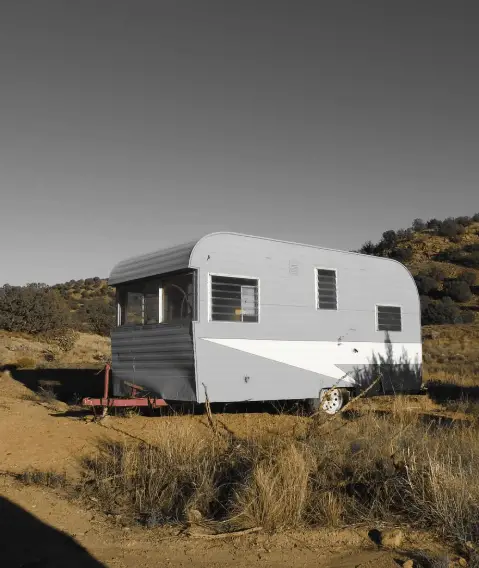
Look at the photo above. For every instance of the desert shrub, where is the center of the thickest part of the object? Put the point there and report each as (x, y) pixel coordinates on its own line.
(468, 316)
(441, 312)
(464, 221)
(425, 284)
(402, 254)
(458, 290)
(389, 238)
(32, 309)
(99, 315)
(449, 228)
(63, 338)
(367, 248)
(424, 301)
(433, 224)
(404, 234)
(96, 280)
(437, 274)
(475, 218)
(469, 277)
(471, 260)
(418, 225)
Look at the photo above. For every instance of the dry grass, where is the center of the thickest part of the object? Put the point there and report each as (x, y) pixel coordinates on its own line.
(386, 468)
(84, 349)
(451, 354)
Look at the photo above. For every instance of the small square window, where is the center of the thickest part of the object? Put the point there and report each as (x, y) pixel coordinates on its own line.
(234, 299)
(389, 318)
(327, 289)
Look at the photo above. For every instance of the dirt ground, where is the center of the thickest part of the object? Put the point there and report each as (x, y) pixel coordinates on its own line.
(42, 527)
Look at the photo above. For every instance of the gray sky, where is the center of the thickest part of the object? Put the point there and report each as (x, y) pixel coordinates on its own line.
(128, 126)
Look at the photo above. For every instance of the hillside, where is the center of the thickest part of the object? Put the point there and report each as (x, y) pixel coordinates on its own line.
(79, 293)
(443, 256)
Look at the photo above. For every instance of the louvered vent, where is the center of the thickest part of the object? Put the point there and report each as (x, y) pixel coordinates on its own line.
(389, 318)
(327, 290)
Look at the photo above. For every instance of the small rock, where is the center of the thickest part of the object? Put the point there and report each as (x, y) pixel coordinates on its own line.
(392, 539)
(462, 562)
(408, 564)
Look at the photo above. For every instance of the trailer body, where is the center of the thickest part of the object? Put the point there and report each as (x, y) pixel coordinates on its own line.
(234, 317)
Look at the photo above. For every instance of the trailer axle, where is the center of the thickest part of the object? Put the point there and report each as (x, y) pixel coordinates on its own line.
(124, 402)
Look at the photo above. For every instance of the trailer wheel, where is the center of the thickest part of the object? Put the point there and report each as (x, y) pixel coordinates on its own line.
(330, 401)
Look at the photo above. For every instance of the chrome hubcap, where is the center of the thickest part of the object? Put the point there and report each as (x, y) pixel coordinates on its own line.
(331, 400)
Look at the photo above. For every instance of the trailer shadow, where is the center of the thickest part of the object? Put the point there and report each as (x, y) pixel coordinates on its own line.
(27, 541)
(67, 384)
(441, 392)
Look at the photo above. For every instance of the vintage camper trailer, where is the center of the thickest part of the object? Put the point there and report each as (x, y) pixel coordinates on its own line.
(233, 317)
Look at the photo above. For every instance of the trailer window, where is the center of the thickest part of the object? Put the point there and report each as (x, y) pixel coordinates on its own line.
(327, 298)
(178, 299)
(161, 300)
(138, 303)
(389, 318)
(234, 299)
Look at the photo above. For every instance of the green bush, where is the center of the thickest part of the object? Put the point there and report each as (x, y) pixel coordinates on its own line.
(449, 228)
(404, 234)
(389, 238)
(99, 315)
(458, 290)
(367, 248)
(34, 308)
(402, 254)
(469, 277)
(464, 221)
(426, 284)
(437, 274)
(442, 312)
(418, 225)
(468, 317)
(433, 224)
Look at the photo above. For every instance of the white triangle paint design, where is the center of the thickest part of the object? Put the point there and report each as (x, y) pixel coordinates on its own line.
(321, 357)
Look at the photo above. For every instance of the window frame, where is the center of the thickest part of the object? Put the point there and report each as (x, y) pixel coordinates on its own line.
(210, 297)
(316, 286)
(122, 290)
(376, 306)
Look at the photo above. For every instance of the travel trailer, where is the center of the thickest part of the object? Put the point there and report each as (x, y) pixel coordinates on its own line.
(234, 318)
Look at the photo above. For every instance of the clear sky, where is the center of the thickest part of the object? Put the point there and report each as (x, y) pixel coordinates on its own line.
(128, 126)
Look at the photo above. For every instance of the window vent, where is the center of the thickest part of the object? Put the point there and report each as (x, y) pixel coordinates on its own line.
(327, 289)
(389, 318)
(293, 268)
(234, 299)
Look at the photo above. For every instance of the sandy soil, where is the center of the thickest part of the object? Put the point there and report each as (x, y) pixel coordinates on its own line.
(41, 527)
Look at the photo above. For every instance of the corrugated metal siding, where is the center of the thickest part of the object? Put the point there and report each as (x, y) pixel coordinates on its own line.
(152, 264)
(158, 357)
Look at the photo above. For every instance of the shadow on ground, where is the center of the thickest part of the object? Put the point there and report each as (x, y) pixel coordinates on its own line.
(71, 385)
(445, 392)
(66, 384)
(28, 542)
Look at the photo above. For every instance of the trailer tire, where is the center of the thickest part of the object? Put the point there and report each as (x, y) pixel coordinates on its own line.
(330, 401)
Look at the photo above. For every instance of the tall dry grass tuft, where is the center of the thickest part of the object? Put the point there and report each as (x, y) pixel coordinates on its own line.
(274, 493)
(156, 483)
